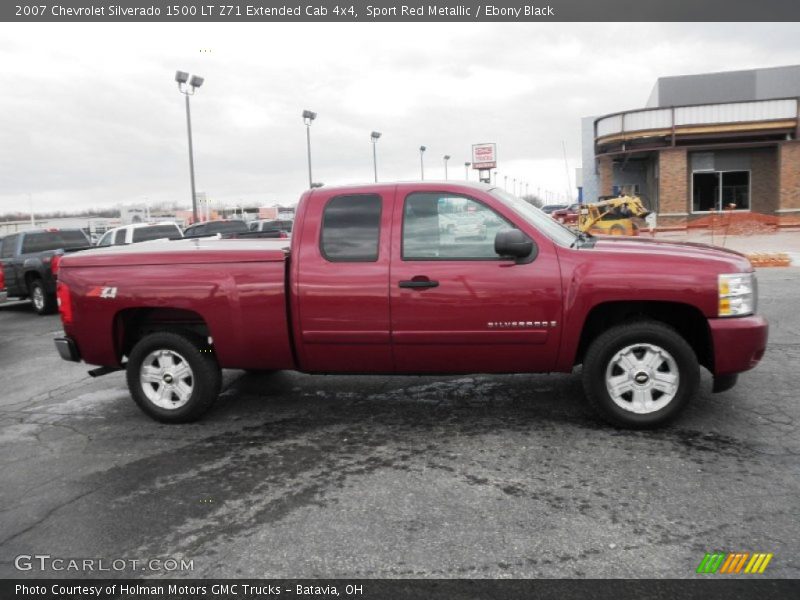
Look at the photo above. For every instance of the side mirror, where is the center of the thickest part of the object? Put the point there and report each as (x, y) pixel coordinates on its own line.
(513, 243)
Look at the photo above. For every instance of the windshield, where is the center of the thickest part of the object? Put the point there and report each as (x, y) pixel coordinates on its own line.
(550, 227)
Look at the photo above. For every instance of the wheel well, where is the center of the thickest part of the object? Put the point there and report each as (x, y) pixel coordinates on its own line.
(132, 324)
(687, 320)
(29, 277)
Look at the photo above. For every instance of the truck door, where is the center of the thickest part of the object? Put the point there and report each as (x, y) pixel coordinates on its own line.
(341, 280)
(459, 307)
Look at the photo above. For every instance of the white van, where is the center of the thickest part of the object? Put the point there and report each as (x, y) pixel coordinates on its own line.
(140, 232)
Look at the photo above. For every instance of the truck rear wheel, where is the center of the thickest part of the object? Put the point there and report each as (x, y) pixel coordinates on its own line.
(640, 375)
(172, 377)
(43, 303)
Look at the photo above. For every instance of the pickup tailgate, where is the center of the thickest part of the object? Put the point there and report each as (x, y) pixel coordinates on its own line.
(236, 287)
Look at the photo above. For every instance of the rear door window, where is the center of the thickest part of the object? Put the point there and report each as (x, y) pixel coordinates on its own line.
(351, 228)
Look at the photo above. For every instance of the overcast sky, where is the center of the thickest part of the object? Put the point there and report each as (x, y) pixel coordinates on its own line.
(90, 115)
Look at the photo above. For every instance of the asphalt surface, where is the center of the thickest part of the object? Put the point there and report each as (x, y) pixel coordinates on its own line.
(292, 475)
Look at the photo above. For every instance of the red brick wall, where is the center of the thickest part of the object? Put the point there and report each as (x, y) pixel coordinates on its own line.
(764, 180)
(606, 167)
(673, 181)
(789, 173)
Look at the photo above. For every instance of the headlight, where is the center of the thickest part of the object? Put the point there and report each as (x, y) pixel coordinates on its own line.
(737, 294)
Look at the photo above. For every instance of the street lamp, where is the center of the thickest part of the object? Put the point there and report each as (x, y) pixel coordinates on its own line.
(421, 163)
(308, 118)
(374, 136)
(466, 170)
(187, 86)
(446, 158)
(494, 176)
(514, 188)
(505, 183)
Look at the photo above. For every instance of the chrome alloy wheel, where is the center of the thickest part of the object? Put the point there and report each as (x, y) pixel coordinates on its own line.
(642, 378)
(167, 379)
(38, 297)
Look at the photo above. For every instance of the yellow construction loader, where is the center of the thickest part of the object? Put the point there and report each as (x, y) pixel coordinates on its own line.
(623, 215)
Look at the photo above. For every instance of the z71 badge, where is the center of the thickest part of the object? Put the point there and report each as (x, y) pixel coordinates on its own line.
(102, 292)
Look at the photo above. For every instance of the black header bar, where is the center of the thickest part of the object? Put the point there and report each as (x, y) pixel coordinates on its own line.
(411, 11)
(708, 588)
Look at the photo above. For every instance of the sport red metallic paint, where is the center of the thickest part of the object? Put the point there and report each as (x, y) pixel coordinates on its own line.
(639, 314)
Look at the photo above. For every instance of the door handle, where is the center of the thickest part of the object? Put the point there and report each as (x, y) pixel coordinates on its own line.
(419, 283)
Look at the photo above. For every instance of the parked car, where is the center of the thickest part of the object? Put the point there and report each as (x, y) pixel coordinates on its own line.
(272, 228)
(463, 225)
(209, 228)
(369, 285)
(569, 215)
(549, 208)
(29, 263)
(140, 232)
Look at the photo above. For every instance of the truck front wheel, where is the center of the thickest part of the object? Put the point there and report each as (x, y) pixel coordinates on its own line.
(172, 377)
(640, 375)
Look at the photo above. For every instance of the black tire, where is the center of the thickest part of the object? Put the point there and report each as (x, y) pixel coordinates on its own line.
(204, 381)
(43, 303)
(640, 337)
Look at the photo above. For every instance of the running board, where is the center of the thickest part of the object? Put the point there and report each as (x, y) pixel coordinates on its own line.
(105, 370)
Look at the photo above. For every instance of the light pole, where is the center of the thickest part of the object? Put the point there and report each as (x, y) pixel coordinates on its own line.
(505, 183)
(446, 158)
(494, 174)
(374, 136)
(421, 163)
(188, 89)
(514, 187)
(308, 118)
(466, 170)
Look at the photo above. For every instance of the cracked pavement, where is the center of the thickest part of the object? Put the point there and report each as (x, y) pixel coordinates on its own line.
(292, 475)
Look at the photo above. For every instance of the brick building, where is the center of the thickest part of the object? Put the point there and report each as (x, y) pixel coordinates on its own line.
(703, 143)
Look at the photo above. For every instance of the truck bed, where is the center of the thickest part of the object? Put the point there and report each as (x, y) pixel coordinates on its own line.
(236, 287)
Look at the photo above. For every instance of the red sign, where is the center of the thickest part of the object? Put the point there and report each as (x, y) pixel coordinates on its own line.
(484, 156)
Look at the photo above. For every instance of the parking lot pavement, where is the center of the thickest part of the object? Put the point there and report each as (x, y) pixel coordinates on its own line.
(311, 476)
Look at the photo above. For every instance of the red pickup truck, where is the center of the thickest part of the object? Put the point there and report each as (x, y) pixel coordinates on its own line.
(372, 281)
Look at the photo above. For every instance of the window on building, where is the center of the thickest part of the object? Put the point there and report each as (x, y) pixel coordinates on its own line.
(717, 190)
(447, 227)
(351, 228)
